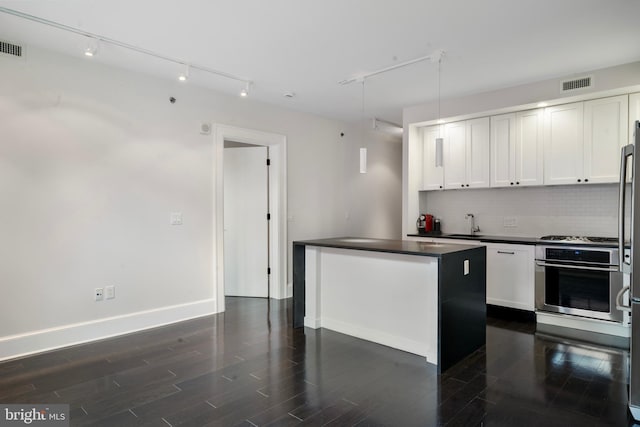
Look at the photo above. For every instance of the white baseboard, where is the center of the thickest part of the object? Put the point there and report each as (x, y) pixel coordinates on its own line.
(289, 290)
(20, 345)
(400, 343)
(590, 325)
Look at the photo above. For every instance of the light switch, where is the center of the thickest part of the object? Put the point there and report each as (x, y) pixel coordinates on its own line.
(466, 267)
(175, 218)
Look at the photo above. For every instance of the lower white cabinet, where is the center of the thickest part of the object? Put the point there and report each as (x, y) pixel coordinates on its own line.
(510, 275)
(510, 272)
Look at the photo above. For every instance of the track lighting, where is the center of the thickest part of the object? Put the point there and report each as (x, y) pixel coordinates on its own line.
(91, 49)
(184, 76)
(245, 91)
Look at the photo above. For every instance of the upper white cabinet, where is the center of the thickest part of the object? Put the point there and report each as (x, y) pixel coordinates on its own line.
(582, 141)
(605, 132)
(634, 114)
(432, 175)
(516, 149)
(563, 142)
(466, 154)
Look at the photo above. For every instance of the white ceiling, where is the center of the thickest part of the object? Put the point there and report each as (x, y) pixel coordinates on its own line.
(306, 46)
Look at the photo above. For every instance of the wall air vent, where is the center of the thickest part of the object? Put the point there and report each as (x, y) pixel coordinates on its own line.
(576, 84)
(10, 49)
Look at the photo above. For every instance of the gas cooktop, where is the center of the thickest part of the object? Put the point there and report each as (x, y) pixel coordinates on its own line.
(578, 239)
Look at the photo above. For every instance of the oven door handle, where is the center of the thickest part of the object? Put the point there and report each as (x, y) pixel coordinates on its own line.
(577, 267)
(619, 305)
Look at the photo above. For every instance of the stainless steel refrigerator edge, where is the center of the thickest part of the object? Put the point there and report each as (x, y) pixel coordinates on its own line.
(630, 264)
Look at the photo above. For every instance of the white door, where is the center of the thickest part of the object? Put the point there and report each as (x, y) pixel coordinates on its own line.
(245, 221)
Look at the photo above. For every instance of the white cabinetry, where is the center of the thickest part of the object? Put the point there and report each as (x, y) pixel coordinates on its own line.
(432, 175)
(466, 154)
(582, 141)
(563, 142)
(510, 275)
(510, 272)
(605, 132)
(634, 114)
(516, 149)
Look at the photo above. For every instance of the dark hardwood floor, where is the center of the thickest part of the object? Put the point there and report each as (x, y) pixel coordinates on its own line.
(248, 367)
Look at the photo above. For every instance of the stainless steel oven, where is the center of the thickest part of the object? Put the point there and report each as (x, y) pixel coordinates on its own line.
(578, 280)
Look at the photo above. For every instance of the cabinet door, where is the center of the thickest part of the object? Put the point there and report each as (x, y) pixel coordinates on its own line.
(563, 144)
(432, 176)
(478, 156)
(510, 276)
(605, 132)
(528, 152)
(503, 155)
(455, 155)
(634, 114)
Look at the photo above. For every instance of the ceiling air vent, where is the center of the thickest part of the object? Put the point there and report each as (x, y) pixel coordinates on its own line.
(10, 49)
(576, 84)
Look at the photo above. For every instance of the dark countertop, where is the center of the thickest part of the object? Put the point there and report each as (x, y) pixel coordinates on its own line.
(391, 246)
(484, 238)
(515, 240)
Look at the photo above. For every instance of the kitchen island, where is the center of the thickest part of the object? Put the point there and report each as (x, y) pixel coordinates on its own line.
(425, 298)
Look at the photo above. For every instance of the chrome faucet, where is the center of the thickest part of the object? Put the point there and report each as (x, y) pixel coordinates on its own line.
(473, 228)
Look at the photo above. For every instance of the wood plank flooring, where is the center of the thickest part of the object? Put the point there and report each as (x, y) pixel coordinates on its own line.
(248, 367)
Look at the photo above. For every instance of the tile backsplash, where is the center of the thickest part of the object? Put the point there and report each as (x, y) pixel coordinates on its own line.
(589, 210)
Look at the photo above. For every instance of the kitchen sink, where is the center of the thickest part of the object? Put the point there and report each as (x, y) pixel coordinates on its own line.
(357, 240)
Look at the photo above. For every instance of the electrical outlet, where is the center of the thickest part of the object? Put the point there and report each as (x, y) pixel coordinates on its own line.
(110, 292)
(509, 222)
(175, 218)
(99, 294)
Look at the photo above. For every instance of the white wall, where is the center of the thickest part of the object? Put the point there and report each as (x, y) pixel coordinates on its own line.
(580, 210)
(375, 197)
(92, 161)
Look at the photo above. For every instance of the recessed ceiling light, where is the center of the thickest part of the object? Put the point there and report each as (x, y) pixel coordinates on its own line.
(440, 121)
(289, 95)
(89, 52)
(542, 104)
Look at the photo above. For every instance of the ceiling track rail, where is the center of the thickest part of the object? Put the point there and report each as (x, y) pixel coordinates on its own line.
(121, 44)
(435, 57)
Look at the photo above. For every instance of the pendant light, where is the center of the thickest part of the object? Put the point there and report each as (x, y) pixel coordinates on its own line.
(439, 140)
(363, 150)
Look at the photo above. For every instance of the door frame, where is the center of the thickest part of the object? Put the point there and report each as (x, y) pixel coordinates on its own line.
(277, 206)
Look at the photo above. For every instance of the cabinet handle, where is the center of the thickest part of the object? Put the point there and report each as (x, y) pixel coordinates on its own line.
(512, 183)
(517, 183)
(579, 180)
(467, 185)
(506, 252)
(441, 186)
(586, 180)
(462, 185)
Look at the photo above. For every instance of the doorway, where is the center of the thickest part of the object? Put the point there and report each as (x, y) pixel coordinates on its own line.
(246, 220)
(277, 246)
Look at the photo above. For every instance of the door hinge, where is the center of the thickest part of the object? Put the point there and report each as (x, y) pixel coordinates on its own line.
(268, 217)
(268, 162)
(268, 270)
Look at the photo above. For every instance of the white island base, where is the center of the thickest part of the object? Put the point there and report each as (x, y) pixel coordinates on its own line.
(387, 298)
